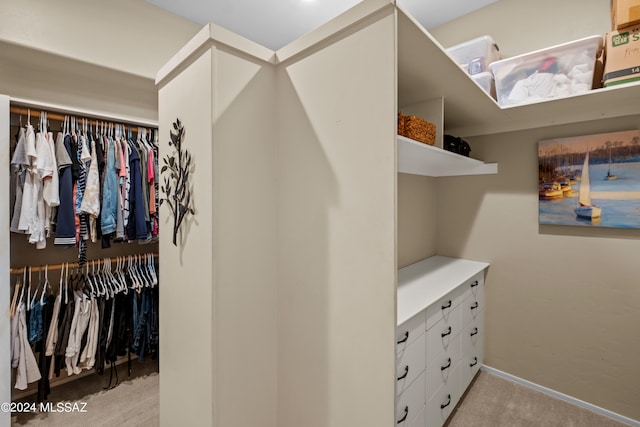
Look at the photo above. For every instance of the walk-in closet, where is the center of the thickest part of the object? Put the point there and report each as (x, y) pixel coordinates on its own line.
(84, 253)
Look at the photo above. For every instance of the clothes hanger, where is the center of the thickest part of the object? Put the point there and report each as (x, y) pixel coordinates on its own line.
(66, 283)
(121, 274)
(14, 301)
(143, 280)
(46, 286)
(34, 297)
(89, 280)
(146, 281)
(110, 279)
(29, 292)
(100, 279)
(134, 280)
(152, 269)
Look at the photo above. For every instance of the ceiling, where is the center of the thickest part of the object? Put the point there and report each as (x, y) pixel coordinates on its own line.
(276, 23)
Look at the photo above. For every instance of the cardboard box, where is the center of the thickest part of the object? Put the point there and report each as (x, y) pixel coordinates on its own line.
(622, 60)
(624, 13)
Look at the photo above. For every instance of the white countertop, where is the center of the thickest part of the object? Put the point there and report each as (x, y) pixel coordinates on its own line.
(423, 283)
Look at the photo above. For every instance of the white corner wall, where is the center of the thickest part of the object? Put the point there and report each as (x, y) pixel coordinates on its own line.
(218, 328)
(336, 232)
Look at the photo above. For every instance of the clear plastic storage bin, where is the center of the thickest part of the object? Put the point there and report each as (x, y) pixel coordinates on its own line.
(485, 80)
(475, 55)
(555, 72)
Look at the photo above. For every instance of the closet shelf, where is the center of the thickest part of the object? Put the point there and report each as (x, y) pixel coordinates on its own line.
(421, 159)
(423, 283)
(426, 71)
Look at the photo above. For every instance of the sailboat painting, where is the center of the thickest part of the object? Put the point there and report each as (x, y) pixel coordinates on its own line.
(590, 180)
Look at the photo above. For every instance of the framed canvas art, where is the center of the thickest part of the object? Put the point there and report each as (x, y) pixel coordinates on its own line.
(590, 180)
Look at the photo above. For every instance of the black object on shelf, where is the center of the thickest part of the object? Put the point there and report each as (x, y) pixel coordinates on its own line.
(456, 145)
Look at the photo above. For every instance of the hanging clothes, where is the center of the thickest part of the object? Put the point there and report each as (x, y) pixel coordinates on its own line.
(137, 226)
(22, 358)
(109, 198)
(20, 163)
(91, 201)
(65, 225)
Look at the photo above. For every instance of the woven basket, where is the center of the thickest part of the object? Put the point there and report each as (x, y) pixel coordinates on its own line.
(413, 127)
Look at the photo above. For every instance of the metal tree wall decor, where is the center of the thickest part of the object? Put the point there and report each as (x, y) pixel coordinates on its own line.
(177, 190)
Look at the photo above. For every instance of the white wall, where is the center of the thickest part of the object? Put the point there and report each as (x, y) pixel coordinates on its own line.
(563, 303)
(218, 328)
(336, 234)
(130, 36)
(417, 222)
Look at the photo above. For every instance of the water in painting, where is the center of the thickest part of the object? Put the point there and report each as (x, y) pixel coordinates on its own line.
(591, 180)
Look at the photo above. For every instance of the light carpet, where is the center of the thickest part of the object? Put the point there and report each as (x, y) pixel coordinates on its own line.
(133, 403)
(492, 401)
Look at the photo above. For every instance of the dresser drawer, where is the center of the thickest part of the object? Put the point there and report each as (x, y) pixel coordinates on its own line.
(471, 338)
(443, 308)
(439, 369)
(410, 363)
(411, 401)
(442, 334)
(410, 331)
(474, 286)
(439, 407)
(472, 308)
(469, 367)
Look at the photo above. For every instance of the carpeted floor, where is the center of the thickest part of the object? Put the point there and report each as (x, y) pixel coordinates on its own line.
(492, 401)
(134, 402)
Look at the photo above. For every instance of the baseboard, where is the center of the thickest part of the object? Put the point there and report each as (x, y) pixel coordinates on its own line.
(561, 396)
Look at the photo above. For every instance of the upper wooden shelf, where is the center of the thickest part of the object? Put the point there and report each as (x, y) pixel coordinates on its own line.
(426, 71)
(421, 159)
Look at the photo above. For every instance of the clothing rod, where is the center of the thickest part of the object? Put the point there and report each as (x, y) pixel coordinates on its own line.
(49, 267)
(55, 116)
(97, 115)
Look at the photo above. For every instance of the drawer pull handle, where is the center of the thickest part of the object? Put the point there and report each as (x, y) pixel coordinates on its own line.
(406, 413)
(444, 334)
(474, 306)
(474, 284)
(406, 372)
(444, 405)
(442, 368)
(406, 337)
(474, 332)
(447, 305)
(474, 363)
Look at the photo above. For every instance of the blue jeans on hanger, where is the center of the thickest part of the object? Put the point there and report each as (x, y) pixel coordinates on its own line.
(35, 323)
(110, 191)
(141, 326)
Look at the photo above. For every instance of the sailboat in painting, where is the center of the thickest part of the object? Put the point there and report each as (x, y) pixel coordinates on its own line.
(585, 208)
(610, 176)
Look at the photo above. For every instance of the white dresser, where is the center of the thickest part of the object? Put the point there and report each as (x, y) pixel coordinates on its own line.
(439, 337)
